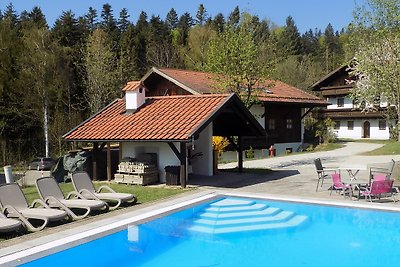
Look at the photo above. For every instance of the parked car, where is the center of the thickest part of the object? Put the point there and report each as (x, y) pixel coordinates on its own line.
(41, 164)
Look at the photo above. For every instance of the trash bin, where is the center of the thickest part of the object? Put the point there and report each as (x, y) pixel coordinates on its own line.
(8, 174)
(172, 176)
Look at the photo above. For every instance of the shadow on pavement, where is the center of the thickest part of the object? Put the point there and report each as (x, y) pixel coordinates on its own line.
(237, 180)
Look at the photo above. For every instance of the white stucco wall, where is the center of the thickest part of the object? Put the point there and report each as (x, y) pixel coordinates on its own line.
(348, 103)
(166, 156)
(258, 111)
(204, 164)
(357, 132)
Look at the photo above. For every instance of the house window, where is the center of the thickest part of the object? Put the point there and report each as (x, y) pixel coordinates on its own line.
(350, 125)
(337, 125)
(382, 125)
(340, 102)
(289, 123)
(271, 124)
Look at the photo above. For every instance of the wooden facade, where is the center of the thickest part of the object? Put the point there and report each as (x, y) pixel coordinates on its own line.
(283, 123)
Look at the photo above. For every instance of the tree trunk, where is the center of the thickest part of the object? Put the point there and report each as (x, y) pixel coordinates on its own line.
(46, 127)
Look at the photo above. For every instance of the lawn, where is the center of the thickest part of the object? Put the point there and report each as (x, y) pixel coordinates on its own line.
(390, 148)
(143, 193)
(327, 147)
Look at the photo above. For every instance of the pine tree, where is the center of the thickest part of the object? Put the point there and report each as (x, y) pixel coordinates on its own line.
(184, 24)
(234, 17)
(172, 19)
(291, 38)
(201, 15)
(141, 43)
(38, 18)
(218, 23)
(123, 21)
(91, 19)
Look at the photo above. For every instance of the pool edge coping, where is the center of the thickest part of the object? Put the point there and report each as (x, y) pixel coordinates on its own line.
(25, 255)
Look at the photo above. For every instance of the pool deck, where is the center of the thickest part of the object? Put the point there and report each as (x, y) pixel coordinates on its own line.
(293, 178)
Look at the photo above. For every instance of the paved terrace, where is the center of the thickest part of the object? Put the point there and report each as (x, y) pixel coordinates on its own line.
(293, 176)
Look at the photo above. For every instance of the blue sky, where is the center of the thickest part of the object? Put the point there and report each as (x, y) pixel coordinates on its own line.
(307, 14)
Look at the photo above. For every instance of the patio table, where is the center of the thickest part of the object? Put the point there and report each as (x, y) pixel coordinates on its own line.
(353, 170)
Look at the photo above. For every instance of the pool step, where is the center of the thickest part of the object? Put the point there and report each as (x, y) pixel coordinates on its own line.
(251, 207)
(228, 202)
(218, 222)
(257, 213)
(293, 222)
(236, 215)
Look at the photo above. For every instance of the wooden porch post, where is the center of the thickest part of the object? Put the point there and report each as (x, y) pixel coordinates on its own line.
(183, 172)
(240, 154)
(94, 159)
(108, 161)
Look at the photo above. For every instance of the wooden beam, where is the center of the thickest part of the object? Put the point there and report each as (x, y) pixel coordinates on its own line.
(109, 162)
(94, 158)
(230, 139)
(175, 150)
(240, 154)
(183, 172)
(119, 151)
(308, 111)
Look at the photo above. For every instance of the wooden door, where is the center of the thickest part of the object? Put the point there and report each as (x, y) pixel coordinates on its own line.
(366, 129)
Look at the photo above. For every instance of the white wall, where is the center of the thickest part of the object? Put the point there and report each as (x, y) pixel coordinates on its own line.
(166, 156)
(358, 131)
(258, 111)
(229, 156)
(348, 103)
(203, 165)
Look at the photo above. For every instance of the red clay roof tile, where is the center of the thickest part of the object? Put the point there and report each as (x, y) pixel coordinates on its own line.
(204, 83)
(160, 118)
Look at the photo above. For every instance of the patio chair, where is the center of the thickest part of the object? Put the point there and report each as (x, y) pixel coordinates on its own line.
(52, 195)
(378, 188)
(15, 205)
(84, 186)
(337, 184)
(379, 171)
(322, 172)
(9, 225)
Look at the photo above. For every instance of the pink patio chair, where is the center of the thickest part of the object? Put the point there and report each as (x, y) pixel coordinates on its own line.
(337, 185)
(378, 188)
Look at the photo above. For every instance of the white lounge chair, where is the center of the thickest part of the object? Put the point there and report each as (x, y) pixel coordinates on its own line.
(52, 195)
(15, 205)
(9, 225)
(84, 186)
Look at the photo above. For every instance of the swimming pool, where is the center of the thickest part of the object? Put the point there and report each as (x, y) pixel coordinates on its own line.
(232, 231)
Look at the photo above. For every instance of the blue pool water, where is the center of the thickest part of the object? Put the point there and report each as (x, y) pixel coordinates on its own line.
(246, 232)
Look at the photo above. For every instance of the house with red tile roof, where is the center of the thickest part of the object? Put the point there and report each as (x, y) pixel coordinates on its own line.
(281, 110)
(178, 129)
(350, 121)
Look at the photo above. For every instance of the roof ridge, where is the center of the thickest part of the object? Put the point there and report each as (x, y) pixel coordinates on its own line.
(189, 96)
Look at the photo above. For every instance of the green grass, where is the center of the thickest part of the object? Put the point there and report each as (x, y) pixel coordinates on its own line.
(144, 194)
(390, 148)
(327, 147)
(370, 141)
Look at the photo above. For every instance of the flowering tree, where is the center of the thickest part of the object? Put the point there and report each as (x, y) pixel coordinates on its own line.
(376, 42)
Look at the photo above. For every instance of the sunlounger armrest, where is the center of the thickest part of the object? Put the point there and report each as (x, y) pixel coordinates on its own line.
(84, 193)
(105, 187)
(40, 203)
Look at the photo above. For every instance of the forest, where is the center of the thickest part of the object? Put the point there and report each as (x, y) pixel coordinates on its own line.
(54, 77)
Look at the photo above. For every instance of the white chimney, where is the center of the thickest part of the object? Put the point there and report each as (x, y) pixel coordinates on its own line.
(135, 96)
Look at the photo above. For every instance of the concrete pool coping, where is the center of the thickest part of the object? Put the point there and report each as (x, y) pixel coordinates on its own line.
(47, 244)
